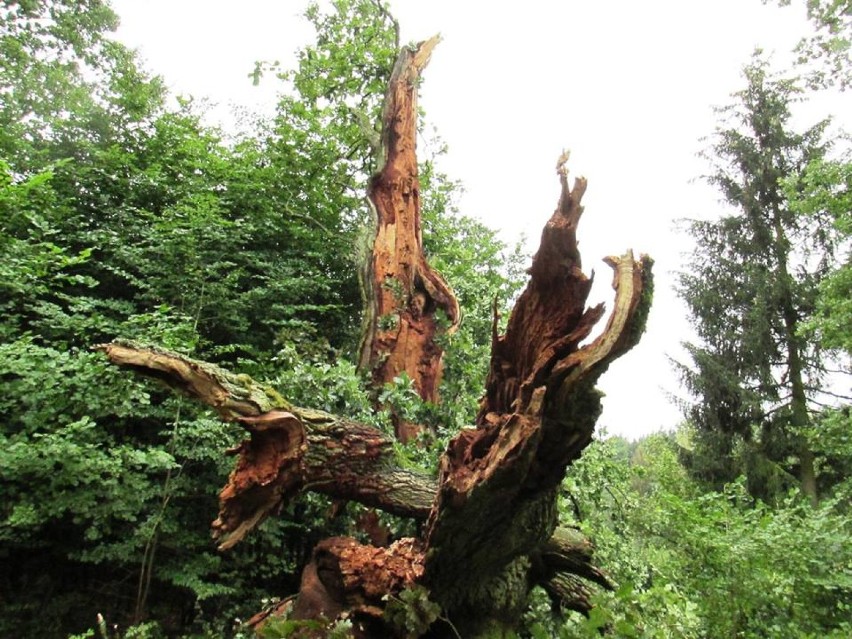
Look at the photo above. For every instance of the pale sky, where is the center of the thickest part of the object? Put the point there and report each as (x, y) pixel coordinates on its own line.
(627, 86)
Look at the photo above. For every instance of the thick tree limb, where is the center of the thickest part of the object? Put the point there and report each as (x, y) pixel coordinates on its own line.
(289, 448)
(314, 451)
(569, 592)
(229, 394)
(570, 551)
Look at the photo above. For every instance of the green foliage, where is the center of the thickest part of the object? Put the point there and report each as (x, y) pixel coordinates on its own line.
(831, 441)
(824, 54)
(486, 276)
(690, 563)
(63, 80)
(311, 373)
(824, 192)
(411, 612)
(119, 217)
(281, 628)
(751, 281)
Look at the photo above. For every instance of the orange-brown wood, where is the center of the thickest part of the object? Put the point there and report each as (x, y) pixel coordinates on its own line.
(406, 297)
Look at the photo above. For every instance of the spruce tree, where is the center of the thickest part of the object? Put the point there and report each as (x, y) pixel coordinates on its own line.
(749, 285)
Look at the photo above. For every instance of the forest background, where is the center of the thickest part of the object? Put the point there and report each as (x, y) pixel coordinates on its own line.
(126, 215)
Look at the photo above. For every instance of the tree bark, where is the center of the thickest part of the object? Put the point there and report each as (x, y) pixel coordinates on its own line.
(408, 303)
(798, 398)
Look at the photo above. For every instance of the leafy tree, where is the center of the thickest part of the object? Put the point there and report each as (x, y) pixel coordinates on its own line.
(64, 81)
(122, 217)
(749, 285)
(825, 53)
(689, 562)
(824, 191)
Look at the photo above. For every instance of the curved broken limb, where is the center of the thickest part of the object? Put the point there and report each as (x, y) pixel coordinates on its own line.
(289, 449)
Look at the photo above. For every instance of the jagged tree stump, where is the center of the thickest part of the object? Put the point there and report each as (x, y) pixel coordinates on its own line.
(489, 531)
(405, 297)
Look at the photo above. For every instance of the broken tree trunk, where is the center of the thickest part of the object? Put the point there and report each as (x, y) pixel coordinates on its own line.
(498, 482)
(489, 531)
(407, 302)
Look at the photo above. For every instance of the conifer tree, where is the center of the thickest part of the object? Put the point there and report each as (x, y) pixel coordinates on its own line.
(749, 285)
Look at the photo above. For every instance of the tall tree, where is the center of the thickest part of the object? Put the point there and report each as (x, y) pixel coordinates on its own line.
(749, 285)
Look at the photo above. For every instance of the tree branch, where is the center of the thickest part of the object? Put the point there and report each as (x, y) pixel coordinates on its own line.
(289, 448)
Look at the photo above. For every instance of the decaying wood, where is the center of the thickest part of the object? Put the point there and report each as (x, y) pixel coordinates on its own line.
(289, 448)
(497, 482)
(406, 297)
(490, 521)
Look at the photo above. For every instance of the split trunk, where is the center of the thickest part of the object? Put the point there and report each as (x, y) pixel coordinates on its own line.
(488, 525)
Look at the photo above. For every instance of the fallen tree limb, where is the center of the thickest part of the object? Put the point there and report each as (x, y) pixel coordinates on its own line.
(289, 449)
(570, 551)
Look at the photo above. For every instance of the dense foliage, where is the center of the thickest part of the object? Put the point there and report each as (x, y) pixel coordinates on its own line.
(123, 214)
(825, 190)
(692, 562)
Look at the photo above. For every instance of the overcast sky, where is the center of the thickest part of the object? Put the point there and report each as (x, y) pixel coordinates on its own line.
(627, 86)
